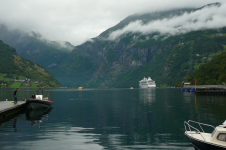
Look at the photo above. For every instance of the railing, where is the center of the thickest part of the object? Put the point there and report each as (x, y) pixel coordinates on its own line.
(195, 129)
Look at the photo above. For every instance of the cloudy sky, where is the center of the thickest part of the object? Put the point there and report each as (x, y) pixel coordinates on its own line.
(79, 20)
(210, 17)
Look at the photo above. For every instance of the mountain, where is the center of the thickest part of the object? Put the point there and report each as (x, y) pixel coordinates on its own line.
(174, 48)
(35, 47)
(124, 61)
(16, 70)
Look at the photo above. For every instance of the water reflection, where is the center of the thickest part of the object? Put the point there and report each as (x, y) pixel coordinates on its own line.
(11, 117)
(37, 116)
(211, 106)
(147, 95)
(105, 119)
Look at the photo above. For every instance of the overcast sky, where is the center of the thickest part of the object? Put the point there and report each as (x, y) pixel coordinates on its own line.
(79, 20)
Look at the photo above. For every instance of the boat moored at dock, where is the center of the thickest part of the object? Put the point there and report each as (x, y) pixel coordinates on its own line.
(206, 141)
(39, 101)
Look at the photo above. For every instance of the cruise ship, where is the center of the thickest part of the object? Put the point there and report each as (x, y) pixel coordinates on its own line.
(147, 83)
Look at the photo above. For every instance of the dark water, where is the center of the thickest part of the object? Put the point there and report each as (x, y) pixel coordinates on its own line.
(115, 119)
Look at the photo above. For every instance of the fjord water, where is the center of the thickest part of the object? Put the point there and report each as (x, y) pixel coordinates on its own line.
(116, 119)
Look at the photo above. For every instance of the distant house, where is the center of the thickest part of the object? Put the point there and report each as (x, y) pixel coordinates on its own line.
(187, 83)
(27, 84)
(20, 80)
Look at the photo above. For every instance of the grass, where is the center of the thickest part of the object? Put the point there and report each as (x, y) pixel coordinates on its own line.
(21, 77)
(16, 85)
(2, 76)
(218, 34)
(224, 47)
(216, 54)
(6, 79)
(33, 85)
(197, 66)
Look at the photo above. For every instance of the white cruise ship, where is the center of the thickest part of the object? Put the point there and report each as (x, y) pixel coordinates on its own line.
(147, 83)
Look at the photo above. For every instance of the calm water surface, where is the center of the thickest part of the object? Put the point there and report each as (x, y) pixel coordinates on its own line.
(115, 119)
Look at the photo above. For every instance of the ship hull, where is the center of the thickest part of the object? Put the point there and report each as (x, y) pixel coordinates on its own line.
(143, 86)
(147, 86)
(151, 86)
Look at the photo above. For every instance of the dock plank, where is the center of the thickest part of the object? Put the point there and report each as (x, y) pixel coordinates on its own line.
(6, 105)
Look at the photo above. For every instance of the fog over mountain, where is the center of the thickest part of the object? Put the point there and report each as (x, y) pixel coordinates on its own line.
(211, 17)
(76, 21)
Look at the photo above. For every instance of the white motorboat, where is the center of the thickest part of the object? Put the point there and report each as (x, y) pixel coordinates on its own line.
(206, 141)
(38, 101)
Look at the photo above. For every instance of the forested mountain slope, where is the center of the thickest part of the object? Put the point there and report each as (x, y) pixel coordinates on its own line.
(211, 73)
(14, 67)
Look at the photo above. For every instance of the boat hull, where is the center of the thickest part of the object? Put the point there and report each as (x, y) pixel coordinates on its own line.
(151, 86)
(37, 104)
(147, 86)
(202, 145)
(143, 86)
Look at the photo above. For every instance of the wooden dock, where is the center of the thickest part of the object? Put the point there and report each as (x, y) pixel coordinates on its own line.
(7, 109)
(206, 91)
(209, 92)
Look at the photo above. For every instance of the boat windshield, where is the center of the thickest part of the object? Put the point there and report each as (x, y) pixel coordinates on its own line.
(214, 131)
(222, 137)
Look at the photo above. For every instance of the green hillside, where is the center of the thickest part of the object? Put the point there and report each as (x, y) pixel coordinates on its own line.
(212, 73)
(17, 71)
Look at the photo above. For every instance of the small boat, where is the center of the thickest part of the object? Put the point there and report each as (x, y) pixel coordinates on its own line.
(183, 89)
(192, 90)
(206, 141)
(187, 90)
(38, 101)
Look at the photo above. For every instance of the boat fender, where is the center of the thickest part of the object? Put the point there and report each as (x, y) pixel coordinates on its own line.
(49, 100)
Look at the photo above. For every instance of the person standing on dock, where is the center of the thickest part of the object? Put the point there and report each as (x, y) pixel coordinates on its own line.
(14, 94)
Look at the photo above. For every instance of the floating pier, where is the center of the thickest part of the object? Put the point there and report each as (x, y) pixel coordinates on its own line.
(211, 91)
(206, 91)
(7, 108)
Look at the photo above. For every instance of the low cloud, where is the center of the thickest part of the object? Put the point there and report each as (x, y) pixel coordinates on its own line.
(212, 17)
(79, 20)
